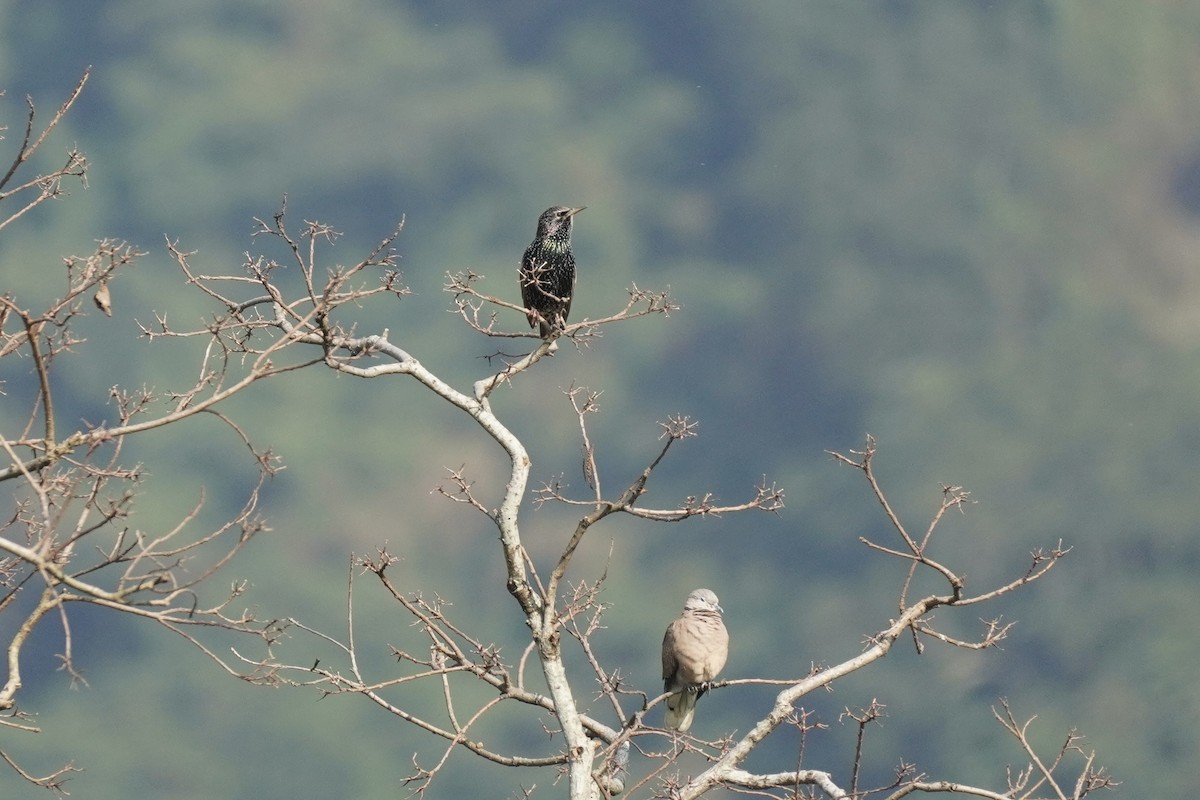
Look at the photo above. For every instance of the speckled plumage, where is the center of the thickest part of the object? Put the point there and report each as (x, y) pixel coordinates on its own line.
(694, 650)
(548, 271)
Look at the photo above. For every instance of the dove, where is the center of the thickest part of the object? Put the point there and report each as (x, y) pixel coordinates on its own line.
(694, 650)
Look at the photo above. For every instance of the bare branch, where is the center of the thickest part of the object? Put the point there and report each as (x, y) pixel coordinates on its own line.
(48, 185)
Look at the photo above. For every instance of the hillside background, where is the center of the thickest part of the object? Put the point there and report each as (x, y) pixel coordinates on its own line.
(970, 229)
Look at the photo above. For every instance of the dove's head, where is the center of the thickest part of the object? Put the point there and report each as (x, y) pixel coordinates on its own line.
(702, 600)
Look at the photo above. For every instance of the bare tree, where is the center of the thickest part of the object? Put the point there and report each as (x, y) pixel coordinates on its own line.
(67, 538)
(593, 750)
(74, 487)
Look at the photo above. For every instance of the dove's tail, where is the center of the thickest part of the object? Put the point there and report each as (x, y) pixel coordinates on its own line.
(681, 708)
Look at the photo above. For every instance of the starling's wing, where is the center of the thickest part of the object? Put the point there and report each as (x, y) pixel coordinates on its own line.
(529, 291)
(569, 291)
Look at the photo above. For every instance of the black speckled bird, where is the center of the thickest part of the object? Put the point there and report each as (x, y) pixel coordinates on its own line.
(548, 271)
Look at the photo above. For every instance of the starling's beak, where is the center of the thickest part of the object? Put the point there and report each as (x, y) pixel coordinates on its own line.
(575, 211)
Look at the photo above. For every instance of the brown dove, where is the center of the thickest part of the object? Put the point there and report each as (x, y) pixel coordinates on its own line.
(694, 651)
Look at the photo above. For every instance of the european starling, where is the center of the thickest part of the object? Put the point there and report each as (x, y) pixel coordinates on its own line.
(548, 271)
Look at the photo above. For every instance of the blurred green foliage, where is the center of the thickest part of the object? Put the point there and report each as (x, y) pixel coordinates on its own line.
(965, 228)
